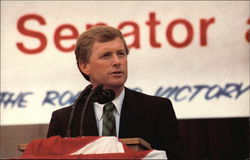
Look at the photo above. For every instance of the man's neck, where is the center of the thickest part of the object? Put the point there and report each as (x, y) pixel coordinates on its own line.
(118, 91)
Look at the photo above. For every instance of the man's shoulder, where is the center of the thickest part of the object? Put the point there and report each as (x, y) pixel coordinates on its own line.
(64, 110)
(145, 97)
(147, 104)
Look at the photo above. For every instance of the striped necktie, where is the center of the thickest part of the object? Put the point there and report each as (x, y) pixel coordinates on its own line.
(108, 126)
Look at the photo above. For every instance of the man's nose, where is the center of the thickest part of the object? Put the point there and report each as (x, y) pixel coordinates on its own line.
(116, 60)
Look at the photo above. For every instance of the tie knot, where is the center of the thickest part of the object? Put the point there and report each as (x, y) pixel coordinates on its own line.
(109, 107)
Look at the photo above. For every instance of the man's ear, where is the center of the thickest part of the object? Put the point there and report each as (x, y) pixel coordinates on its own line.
(84, 68)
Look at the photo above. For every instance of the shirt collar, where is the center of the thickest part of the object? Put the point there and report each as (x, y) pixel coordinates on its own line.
(117, 102)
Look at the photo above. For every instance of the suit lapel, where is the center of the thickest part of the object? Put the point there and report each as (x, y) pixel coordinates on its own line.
(129, 116)
(90, 126)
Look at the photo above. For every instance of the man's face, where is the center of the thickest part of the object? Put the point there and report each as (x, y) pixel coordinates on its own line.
(107, 64)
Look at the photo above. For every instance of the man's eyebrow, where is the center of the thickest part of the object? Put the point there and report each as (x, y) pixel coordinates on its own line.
(121, 50)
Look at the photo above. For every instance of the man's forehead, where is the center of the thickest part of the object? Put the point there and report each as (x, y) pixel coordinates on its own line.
(115, 43)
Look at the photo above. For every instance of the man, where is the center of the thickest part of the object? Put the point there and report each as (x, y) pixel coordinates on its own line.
(101, 54)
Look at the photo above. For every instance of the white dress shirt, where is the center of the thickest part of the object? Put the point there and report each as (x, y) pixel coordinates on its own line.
(98, 108)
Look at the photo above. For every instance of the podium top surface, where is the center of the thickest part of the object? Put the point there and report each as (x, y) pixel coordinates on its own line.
(128, 141)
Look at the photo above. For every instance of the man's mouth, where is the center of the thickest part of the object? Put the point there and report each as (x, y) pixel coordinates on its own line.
(117, 72)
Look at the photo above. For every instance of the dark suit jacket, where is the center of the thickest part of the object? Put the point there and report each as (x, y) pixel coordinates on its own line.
(148, 117)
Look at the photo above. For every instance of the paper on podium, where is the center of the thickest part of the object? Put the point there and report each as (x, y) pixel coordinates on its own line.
(92, 147)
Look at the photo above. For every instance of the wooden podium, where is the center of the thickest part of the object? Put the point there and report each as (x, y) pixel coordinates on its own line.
(136, 144)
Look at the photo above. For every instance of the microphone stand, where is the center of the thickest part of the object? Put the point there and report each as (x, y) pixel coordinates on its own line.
(93, 92)
(85, 91)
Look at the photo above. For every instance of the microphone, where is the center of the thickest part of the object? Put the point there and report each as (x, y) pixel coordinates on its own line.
(104, 96)
(96, 95)
(85, 92)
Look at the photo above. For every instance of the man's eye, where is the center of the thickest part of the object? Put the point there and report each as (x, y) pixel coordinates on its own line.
(105, 55)
(121, 53)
